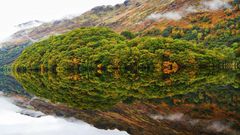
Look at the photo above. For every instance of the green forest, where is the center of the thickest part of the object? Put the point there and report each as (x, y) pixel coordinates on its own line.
(100, 48)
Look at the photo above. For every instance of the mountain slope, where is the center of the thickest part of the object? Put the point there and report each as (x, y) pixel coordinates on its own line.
(133, 15)
(29, 24)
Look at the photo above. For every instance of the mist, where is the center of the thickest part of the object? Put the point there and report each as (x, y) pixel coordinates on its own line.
(205, 5)
(218, 126)
(168, 15)
(215, 4)
(214, 126)
(170, 117)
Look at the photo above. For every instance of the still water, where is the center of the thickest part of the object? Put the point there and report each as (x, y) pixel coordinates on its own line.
(18, 117)
(189, 102)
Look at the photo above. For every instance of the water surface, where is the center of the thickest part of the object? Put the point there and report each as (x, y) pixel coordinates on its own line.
(139, 103)
(18, 117)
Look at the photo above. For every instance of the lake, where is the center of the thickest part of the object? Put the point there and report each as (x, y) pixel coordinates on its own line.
(192, 102)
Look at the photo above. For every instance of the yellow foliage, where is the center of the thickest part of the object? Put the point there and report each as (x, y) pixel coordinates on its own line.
(100, 66)
(75, 61)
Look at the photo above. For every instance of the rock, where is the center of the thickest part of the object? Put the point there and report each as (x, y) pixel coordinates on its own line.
(127, 3)
(102, 9)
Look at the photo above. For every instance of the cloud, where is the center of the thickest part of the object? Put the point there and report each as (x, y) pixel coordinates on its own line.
(170, 117)
(202, 124)
(205, 5)
(31, 113)
(168, 15)
(218, 127)
(215, 4)
(191, 9)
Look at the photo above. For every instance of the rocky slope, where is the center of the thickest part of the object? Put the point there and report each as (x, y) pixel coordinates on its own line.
(29, 24)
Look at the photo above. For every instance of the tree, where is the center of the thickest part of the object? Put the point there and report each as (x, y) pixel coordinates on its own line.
(166, 32)
(128, 34)
(153, 32)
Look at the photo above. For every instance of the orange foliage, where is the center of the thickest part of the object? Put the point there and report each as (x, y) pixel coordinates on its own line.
(170, 67)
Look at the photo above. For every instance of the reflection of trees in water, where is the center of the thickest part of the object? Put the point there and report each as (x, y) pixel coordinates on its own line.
(101, 91)
(9, 85)
(143, 102)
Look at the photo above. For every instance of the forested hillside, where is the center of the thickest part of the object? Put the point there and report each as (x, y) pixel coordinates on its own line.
(102, 49)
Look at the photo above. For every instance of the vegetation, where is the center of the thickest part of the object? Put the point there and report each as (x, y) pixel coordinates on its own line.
(123, 76)
(128, 34)
(101, 48)
(224, 34)
(9, 54)
(91, 90)
(9, 85)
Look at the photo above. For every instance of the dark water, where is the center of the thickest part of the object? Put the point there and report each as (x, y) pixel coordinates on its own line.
(141, 103)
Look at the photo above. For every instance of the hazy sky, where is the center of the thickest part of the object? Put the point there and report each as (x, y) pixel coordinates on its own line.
(14, 12)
